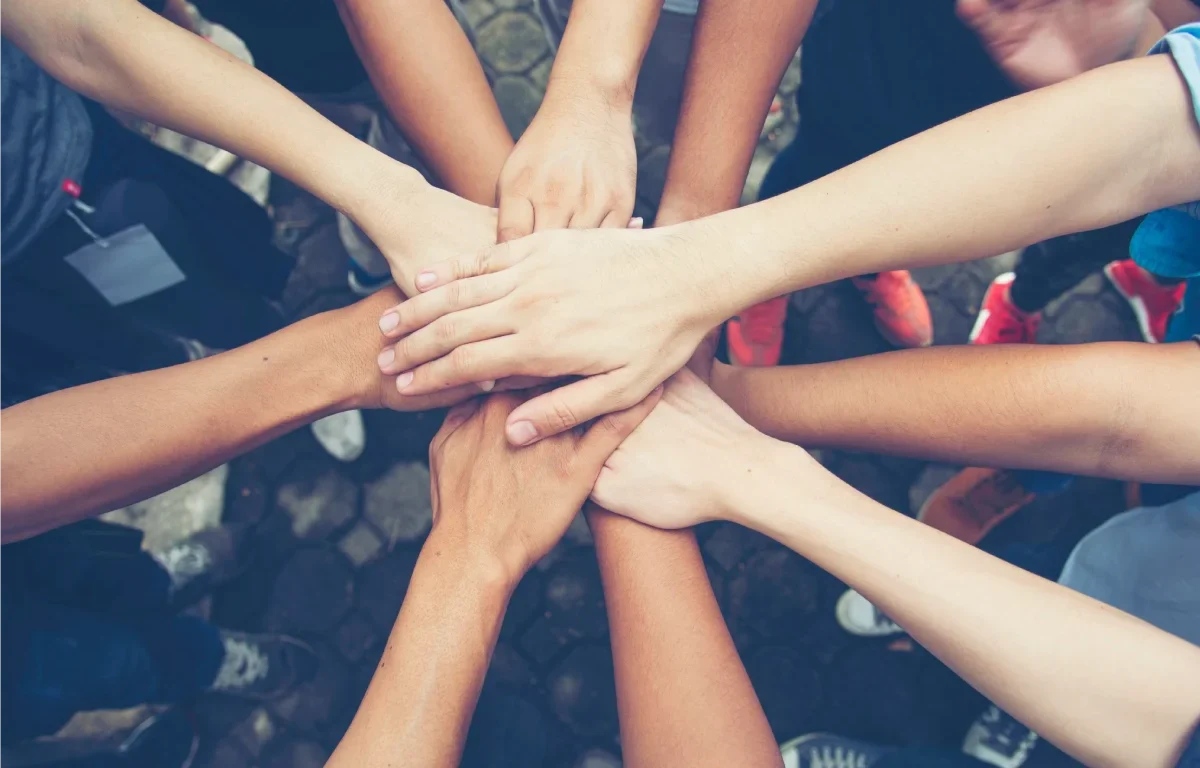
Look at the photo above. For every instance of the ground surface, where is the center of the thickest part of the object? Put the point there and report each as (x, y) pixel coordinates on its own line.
(336, 543)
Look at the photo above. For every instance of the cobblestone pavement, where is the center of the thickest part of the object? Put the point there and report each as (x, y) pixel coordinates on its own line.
(336, 544)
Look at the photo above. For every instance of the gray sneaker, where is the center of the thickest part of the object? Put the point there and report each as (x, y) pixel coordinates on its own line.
(202, 561)
(822, 750)
(262, 666)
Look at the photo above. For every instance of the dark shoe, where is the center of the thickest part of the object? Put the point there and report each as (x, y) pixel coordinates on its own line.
(262, 666)
(821, 750)
(166, 740)
(999, 740)
(203, 561)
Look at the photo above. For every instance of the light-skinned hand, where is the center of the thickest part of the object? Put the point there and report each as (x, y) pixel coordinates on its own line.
(507, 505)
(1040, 42)
(623, 308)
(575, 166)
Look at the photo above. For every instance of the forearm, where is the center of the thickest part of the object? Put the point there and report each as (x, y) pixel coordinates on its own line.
(602, 50)
(739, 53)
(1096, 150)
(1111, 410)
(1069, 675)
(682, 691)
(85, 450)
(427, 74)
(418, 707)
(127, 57)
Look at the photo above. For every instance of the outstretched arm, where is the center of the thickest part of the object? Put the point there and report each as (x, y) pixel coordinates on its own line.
(82, 451)
(682, 691)
(1110, 410)
(739, 53)
(127, 57)
(1068, 675)
(425, 70)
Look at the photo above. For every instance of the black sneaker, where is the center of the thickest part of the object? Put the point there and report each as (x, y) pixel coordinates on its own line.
(263, 666)
(166, 740)
(821, 750)
(202, 561)
(998, 739)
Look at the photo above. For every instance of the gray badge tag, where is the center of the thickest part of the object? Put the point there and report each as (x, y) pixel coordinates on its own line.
(127, 266)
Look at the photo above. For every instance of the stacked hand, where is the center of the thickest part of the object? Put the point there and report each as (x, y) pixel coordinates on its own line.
(623, 308)
(506, 505)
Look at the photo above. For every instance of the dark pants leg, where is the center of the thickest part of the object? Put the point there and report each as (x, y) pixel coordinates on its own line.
(1051, 268)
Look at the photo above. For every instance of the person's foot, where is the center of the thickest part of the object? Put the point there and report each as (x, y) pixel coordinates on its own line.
(262, 666)
(342, 435)
(1152, 303)
(822, 750)
(999, 740)
(168, 739)
(755, 337)
(999, 320)
(901, 312)
(202, 561)
(859, 616)
(974, 502)
(363, 283)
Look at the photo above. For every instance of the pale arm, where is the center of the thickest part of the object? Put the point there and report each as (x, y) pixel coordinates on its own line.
(682, 692)
(1056, 660)
(82, 451)
(1101, 148)
(427, 74)
(418, 707)
(1112, 410)
(739, 53)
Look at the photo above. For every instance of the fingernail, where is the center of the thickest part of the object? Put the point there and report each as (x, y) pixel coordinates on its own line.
(403, 380)
(636, 222)
(426, 280)
(486, 386)
(389, 322)
(386, 357)
(521, 432)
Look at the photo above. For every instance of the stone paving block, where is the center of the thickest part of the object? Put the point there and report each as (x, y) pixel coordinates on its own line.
(361, 545)
(398, 503)
(475, 12)
(517, 4)
(776, 595)
(964, 290)
(583, 692)
(382, 585)
(840, 326)
(297, 754)
(256, 731)
(313, 591)
(950, 326)
(525, 603)
(519, 100)
(729, 544)
(512, 41)
(1090, 318)
(539, 75)
(246, 495)
(178, 513)
(313, 704)
(509, 668)
(788, 687)
(227, 753)
(354, 637)
(321, 265)
(318, 501)
(878, 690)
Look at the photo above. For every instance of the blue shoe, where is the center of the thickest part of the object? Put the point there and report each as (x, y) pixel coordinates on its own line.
(363, 283)
(822, 750)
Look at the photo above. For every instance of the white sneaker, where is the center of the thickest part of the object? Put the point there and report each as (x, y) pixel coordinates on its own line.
(342, 435)
(997, 739)
(859, 616)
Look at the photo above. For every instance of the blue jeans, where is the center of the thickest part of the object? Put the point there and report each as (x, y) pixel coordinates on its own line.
(87, 625)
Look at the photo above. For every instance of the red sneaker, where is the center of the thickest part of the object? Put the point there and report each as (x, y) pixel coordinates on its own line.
(755, 337)
(1000, 322)
(1152, 303)
(901, 313)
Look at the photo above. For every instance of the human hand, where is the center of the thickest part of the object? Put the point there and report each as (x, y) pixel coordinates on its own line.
(1040, 42)
(686, 463)
(418, 225)
(511, 505)
(625, 309)
(575, 166)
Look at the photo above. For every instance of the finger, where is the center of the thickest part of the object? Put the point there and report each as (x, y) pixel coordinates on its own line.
(569, 406)
(550, 216)
(593, 217)
(637, 222)
(515, 218)
(457, 416)
(620, 216)
(444, 334)
(610, 431)
(485, 261)
(488, 360)
(423, 309)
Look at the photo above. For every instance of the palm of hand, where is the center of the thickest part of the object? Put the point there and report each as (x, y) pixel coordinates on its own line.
(1040, 42)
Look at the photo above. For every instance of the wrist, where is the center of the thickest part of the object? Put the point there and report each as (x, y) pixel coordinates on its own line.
(604, 82)
(483, 570)
(379, 188)
(353, 341)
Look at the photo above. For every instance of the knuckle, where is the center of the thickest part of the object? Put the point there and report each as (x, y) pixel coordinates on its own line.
(455, 295)
(445, 331)
(562, 416)
(461, 361)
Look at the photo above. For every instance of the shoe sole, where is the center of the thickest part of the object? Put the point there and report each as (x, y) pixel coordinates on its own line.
(1140, 313)
(851, 628)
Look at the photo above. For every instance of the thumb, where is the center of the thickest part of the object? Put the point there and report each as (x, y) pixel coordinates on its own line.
(493, 258)
(565, 408)
(607, 434)
(515, 219)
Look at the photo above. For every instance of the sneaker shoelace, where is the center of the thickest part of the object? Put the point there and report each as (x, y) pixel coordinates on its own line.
(836, 756)
(244, 664)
